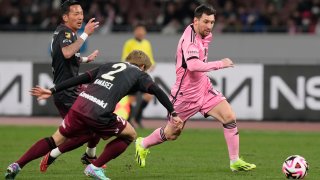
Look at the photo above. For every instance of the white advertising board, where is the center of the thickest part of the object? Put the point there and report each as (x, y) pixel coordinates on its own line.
(15, 83)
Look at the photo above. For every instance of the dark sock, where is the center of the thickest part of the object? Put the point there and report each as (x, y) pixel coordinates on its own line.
(51, 160)
(73, 143)
(112, 150)
(142, 106)
(93, 141)
(39, 149)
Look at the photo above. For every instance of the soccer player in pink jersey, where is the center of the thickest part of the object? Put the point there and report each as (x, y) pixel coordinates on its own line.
(193, 91)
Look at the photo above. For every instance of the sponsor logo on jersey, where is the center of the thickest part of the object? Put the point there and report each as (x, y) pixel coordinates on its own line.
(67, 35)
(94, 99)
(66, 41)
(193, 52)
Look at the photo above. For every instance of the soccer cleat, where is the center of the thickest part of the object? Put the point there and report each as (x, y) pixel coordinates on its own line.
(241, 165)
(45, 162)
(86, 160)
(12, 171)
(141, 153)
(95, 173)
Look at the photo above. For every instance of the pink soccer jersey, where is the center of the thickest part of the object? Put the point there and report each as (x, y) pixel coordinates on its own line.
(192, 81)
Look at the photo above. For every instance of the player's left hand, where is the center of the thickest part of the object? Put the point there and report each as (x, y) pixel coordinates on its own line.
(40, 92)
(227, 63)
(93, 56)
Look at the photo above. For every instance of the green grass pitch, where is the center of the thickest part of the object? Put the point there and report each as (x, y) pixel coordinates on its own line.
(197, 154)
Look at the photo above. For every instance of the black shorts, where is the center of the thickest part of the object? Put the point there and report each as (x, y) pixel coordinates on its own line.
(75, 124)
(63, 103)
(63, 108)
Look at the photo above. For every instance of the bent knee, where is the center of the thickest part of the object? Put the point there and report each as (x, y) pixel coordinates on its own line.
(133, 136)
(172, 133)
(229, 118)
(130, 137)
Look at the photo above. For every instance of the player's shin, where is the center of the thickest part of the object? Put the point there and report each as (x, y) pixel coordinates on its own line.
(156, 137)
(231, 135)
(112, 150)
(39, 149)
(91, 146)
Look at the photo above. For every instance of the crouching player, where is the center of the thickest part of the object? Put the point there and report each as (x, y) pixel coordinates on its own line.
(92, 112)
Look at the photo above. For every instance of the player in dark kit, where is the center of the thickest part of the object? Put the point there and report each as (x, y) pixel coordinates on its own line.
(65, 53)
(66, 61)
(92, 112)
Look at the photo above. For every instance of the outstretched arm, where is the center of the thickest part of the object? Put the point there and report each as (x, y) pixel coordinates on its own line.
(197, 65)
(91, 57)
(70, 50)
(40, 92)
(194, 63)
(164, 100)
(43, 93)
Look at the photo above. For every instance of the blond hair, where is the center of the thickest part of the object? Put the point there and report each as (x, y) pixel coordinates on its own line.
(139, 58)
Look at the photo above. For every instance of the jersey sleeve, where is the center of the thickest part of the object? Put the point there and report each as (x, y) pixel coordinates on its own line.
(199, 66)
(93, 73)
(162, 97)
(191, 54)
(82, 79)
(145, 81)
(64, 38)
(190, 51)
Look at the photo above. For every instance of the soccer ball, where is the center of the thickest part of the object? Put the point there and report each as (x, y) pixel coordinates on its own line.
(295, 167)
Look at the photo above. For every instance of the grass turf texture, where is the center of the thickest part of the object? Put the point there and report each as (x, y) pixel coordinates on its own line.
(198, 154)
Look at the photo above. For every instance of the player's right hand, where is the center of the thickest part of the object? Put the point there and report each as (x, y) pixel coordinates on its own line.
(227, 63)
(91, 26)
(40, 92)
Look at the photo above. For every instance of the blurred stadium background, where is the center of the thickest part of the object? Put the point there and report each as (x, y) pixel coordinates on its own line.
(274, 44)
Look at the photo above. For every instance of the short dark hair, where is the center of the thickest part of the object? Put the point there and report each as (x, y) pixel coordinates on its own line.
(204, 9)
(140, 24)
(65, 6)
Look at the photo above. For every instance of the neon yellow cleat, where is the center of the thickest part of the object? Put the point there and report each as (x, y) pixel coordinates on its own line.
(241, 165)
(141, 153)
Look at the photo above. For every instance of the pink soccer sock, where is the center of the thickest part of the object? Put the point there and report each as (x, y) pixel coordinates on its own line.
(232, 138)
(157, 137)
